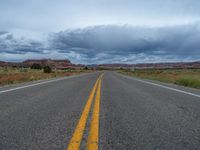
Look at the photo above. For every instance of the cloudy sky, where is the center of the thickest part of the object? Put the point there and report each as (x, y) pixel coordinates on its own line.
(100, 31)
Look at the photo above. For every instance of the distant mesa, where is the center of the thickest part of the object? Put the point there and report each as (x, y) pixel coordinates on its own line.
(48, 62)
(66, 64)
(56, 64)
(153, 65)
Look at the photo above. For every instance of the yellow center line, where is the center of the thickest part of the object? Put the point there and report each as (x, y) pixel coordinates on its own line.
(93, 138)
(79, 130)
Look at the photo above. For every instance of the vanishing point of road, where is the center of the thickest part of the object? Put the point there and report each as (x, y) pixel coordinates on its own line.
(101, 110)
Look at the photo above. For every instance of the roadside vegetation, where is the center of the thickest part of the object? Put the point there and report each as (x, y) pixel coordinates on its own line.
(10, 75)
(185, 77)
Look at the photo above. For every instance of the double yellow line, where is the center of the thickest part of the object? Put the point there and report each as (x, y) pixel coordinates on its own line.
(93, 137)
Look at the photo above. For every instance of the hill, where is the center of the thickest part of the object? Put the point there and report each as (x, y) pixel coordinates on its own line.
(57, 64)
(152, 65)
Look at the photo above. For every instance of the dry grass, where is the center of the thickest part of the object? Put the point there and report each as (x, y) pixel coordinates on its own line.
(17, 75)
(185, 77)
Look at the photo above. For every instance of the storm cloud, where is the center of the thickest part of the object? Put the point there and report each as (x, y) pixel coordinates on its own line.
(10, 44)
(114, 44)
(128, 44)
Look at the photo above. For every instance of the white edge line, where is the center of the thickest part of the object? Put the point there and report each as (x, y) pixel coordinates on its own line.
(44, 82)
(166, 87)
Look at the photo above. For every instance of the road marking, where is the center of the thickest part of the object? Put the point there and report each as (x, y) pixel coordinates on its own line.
(79, 130)
(35, 84)
(93, 137)
(166, 87)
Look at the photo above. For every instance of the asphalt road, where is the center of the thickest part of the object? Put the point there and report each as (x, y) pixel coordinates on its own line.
(112, 112)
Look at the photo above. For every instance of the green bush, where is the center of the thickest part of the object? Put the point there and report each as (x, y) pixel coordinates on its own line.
(191, 82)
(36, 66)
(85, 68)
(47, 69)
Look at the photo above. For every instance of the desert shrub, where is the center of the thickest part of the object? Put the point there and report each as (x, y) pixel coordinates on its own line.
(191, 82)
(36, 66)
(23, 70)
(85, 68)
(47, 69)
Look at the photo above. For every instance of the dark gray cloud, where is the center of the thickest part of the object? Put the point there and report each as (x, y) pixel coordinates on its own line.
(3, 32)
(124, 42)
(10, 44)
(111, 43)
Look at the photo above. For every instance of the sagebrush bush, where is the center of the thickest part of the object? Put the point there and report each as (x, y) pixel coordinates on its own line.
(185, 77)
(47, 69)
(36, 66)
(188, 82)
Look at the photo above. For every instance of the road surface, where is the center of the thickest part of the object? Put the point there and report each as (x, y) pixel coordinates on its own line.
(107, 111)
